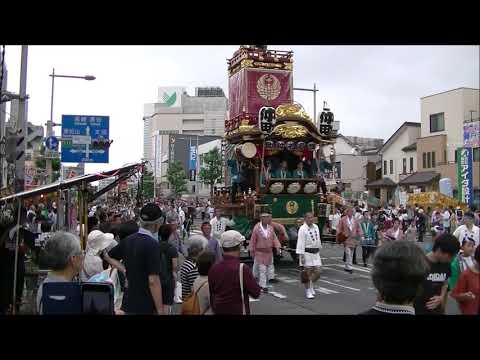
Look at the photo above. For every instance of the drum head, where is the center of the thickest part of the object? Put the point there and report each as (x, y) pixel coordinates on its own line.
(249, 150)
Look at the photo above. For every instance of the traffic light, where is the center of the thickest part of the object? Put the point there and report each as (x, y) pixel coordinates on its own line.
(101, 144)
(12, 142)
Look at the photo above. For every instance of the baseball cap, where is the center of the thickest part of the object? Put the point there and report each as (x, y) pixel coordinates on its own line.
(231, 238)
(150, 213)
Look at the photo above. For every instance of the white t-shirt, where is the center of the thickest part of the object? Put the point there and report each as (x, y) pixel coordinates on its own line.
(462, 231)
(446, 219)
(335, 220)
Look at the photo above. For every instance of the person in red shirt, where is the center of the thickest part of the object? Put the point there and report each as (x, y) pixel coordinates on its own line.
(226, 296)
(467, 290)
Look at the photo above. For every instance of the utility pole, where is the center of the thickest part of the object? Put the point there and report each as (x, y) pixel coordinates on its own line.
(22, 124)
(50, 133)
(314, 90)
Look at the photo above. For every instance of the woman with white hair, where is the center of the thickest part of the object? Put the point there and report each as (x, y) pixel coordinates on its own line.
(188, 270)
(64, 256)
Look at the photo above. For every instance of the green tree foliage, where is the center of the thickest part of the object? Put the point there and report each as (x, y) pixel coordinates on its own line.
(211, 171)
(177, 178)
(147, 188)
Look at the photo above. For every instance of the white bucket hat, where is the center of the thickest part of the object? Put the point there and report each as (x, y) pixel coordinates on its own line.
(99, 241)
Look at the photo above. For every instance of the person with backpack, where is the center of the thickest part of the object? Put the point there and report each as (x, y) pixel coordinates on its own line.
(169, 264)
(198, 302)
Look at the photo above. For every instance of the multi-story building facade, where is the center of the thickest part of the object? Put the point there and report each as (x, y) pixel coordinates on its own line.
(443, 119)
(352, 156)
(176, 112)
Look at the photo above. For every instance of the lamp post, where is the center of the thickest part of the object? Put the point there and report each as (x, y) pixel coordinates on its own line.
(314, 90)
(50, 123)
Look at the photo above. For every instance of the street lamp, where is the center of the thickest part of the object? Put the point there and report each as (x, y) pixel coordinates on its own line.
(314, 90)
(50, 123)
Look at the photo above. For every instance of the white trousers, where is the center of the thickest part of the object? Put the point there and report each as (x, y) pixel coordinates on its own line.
(349, 257)
(263, 273)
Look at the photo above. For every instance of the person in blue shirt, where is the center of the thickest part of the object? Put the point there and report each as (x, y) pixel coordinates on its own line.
(282, 172)
(299, 172)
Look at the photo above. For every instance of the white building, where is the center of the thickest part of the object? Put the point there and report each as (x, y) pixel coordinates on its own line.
(176, 112)
(399, 155)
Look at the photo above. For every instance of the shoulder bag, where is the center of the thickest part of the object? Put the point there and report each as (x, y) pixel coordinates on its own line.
(241, 289)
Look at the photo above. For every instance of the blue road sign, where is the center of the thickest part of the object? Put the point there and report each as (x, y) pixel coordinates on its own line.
(51, 143)
(78, 132)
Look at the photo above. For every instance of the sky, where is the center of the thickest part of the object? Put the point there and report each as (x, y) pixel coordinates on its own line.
(371, 90)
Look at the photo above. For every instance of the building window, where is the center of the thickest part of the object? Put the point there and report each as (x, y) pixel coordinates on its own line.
(433, 159)
(385, 167)
(411, 165)
(445, 156)
(456, 154)
(404, 166)
(476, 154)
(437, 122)
(391, 167)
(338, 167)
(424, 160)
(429, 160)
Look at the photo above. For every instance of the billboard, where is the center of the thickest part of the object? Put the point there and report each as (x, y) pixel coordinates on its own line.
(471, 134)
(465, 175)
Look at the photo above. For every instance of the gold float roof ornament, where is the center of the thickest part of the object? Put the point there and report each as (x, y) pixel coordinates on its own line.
(290, 131)
(291, 112)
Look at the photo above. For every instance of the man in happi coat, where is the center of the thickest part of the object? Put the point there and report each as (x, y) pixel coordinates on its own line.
(262, 242)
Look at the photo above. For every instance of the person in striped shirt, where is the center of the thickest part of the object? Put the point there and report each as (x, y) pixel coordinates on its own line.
(188, 270)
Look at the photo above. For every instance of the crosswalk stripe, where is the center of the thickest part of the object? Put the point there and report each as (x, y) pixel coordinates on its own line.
(287, 280)
(326, 291)
(346, 287)
(277, 295)
(354, 268)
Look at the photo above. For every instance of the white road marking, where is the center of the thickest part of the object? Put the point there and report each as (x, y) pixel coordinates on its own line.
(277, 295)
(340, 271)
(287, 280)
(253, 300)
(346, 287)
(326, 291)
(354, 268)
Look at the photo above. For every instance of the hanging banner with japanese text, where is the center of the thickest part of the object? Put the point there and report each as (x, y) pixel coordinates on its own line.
(465, 175)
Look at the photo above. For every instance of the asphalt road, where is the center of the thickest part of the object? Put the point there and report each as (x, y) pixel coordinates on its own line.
(337, 292)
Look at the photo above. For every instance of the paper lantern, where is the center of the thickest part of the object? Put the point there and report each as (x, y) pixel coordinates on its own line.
(290, 145)
(280, 145)
(311, 146)
(300, 145)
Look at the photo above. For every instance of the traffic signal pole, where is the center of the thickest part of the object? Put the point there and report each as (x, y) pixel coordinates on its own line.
(21, 124)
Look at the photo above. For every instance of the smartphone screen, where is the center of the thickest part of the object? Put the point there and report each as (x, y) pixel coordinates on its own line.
(97, 299)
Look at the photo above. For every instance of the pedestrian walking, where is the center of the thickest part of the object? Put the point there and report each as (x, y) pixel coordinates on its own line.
(262, 242)
(169, 259)
(349, 233)
(421, 224)
(397, 289)
(200, 286)
(462, 262)
(188, 270)
(231, 283)
(213, 245)
(468, 229)
(308, 249)
(433, 295)
(467, 290)
(219, 224)
(140, 253)
(369, 238)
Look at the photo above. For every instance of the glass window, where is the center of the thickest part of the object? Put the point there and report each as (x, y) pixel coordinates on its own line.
(338, 166)
(391, 167)
(476, 154)
(429, 160)
(437, 122)
(424, 160)
(385, 167)
(404, 166)
(411, 164)
(433, 159)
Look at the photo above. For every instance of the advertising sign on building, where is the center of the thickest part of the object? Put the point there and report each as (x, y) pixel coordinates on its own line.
(192, 164)
(170, 96)
(72, 171)
(464, 175)
(471, 134)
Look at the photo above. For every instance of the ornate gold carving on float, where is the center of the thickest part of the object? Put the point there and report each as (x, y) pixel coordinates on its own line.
(291, 112)
(290, 131)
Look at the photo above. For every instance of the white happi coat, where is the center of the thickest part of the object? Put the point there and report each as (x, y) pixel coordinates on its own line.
(218, 226)
(306, 240)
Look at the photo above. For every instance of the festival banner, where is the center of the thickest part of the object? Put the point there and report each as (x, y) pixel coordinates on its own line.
(465, 175)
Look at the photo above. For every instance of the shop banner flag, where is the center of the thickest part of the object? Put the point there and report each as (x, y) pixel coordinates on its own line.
(465, 175)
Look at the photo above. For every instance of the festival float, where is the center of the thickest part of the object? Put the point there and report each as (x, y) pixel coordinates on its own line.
(266, 127)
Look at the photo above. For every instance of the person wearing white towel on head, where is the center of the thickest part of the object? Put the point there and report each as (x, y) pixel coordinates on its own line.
(308, 249)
